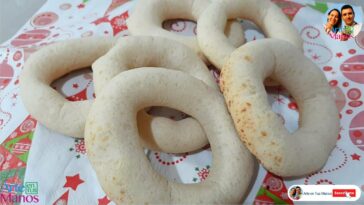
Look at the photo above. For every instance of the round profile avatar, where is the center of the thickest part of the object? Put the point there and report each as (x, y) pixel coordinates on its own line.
(295, 192)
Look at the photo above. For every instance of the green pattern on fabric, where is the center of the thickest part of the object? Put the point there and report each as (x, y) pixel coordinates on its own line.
(276, 199)
(8, 174)
(319, 6)
(9, 145)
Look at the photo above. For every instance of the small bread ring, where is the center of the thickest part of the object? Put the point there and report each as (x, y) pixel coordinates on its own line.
(141, 51)
(148, 16)
(113, 145)
(285, 154)
(48, 64)
(264, 13)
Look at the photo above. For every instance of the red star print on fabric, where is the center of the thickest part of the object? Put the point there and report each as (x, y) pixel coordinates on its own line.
(315, 57)
(75, 85)
(73, 181)
(81, 6)
(339, 55)
(104, 201)
(355, 157)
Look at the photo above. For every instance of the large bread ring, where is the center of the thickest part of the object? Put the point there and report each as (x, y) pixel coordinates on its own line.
(66, 117)
(264, 13)
(280, 152)
(46, 65)
(112, 141)
(148, 16)
(143, 51)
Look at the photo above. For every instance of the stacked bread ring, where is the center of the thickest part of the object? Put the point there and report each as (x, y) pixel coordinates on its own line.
(153, 67)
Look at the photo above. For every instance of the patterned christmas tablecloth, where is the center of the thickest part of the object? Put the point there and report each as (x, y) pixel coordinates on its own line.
(54, 168)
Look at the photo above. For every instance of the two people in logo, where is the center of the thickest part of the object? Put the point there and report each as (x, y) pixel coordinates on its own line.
(341, 25)
(295, 192)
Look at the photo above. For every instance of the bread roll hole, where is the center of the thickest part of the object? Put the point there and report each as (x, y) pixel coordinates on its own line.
(165, 129)
(170, 113)
(183, 27)
(76, 85)
(166, 163)
(251, 30)
(284, 106)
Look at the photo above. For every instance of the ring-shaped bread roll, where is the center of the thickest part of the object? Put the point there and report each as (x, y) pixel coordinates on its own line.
(148, 16)
(66, 117)
(283, 153)
(114, 149)
(148, 51)
(50, 63)
(264, 13)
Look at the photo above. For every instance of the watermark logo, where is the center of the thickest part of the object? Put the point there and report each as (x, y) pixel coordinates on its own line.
(19, 193)
(324, 193)
(31, 188)
(342, 21)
